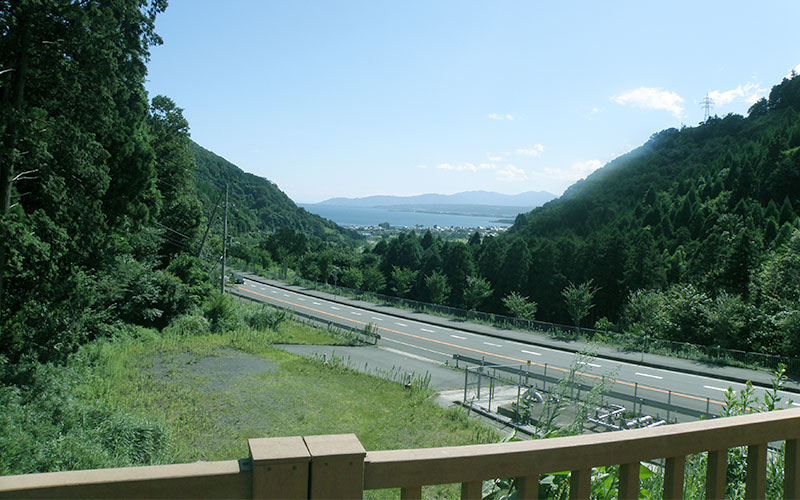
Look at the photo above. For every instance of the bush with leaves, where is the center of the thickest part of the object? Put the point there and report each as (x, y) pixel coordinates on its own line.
(267, 318)
(520, 307)
(222, 312)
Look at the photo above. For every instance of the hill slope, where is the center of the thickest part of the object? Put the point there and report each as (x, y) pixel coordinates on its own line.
(259, 205)
(703, 217)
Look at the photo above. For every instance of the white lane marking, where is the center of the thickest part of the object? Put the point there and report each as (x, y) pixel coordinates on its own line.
(426, 330)
(795, 404)
(414, 346)
(409, 355)
(301, 298)
(714, 388)
(335, 308)
(273, 292)
(457, 337)
(531, 352)
(317, 303)
(285, 294)
(493, 345)
(648, 375)
(588, 364)
(356, 313)
(263, 288)
(377, 319)
(401, 324)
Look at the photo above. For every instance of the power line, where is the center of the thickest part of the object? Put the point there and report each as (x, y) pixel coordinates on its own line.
(172, 230)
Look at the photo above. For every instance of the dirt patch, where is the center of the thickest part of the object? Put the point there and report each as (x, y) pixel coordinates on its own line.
(224, 369)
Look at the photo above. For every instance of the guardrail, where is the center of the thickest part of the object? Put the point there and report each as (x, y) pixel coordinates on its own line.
(624, 341)
(337, 466)
(366, 336)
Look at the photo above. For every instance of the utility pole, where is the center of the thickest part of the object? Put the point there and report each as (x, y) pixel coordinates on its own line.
(208, 226)
(224, 241)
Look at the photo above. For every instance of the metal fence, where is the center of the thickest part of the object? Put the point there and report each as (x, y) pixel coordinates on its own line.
(482, 382)
(624, 341)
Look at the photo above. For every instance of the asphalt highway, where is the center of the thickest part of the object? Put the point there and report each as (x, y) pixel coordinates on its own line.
(412, 339)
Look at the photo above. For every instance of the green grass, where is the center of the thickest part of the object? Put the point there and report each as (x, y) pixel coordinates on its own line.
(258, 390)
(210, 417)
(187, 394)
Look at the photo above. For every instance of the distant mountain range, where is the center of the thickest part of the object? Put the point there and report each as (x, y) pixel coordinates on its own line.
(529, 199)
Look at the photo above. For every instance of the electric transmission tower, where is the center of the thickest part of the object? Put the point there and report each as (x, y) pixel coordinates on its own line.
(707, 103)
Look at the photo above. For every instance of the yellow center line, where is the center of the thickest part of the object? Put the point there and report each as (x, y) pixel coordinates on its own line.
(456, 346)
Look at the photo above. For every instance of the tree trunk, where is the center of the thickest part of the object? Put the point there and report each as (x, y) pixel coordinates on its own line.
(13, 100)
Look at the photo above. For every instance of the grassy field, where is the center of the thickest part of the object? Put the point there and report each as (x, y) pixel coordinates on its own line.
(213, 392)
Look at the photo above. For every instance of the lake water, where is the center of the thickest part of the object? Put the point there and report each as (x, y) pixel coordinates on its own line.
(357, 216)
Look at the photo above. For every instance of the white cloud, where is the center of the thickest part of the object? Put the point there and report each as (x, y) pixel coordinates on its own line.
(495, 116)
(536, 150)
(578, 170)
(749, 93)
(652, 98)
(795, 70)
(584, 168)
(467, 167)
(495, 157)
(511, 174)
(422, 166)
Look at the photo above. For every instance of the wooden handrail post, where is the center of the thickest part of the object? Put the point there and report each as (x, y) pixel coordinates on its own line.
(791, 478)
(411, 493)
(716, 474)
(580, 484)
(472, 490)
(337, 466)
(629, 481)
(674, 470)
(280, 468)
(528, 487)
(756, 483)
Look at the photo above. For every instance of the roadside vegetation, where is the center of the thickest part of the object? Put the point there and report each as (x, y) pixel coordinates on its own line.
(200, 388)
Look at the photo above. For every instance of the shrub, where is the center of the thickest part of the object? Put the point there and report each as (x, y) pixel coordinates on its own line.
(189, 324)
(266, 318)
(221, 312)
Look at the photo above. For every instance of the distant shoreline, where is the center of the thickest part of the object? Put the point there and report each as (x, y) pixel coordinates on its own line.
(406, 217)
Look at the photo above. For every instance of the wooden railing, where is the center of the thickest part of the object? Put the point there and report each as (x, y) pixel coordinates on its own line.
(337, 466)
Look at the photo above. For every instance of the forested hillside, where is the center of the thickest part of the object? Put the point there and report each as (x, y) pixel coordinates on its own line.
(260, 206)
(105, 198)
(692, 237)
(695, 228)
(98, 190)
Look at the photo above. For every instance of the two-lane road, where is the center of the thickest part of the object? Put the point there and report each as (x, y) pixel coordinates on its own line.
(439, 344)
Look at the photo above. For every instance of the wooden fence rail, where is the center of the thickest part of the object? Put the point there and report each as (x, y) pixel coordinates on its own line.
(337, 466)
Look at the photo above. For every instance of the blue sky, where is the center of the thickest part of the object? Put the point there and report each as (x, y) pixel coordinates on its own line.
(355, 98)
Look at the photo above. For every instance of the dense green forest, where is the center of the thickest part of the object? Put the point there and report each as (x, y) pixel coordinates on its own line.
(691, 237)
(105, 199)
